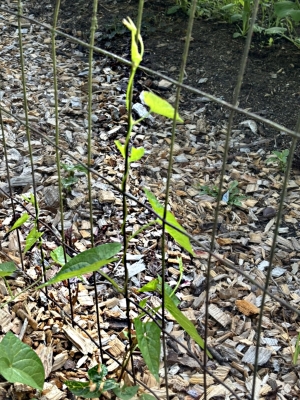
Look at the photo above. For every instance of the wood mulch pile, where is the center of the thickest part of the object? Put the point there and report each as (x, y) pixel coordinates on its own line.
(244, 236)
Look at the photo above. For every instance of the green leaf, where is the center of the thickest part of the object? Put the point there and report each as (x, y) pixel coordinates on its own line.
(136, 56)
(82, 389)
(7, 268)
(173, 9)
(85, 262)
(97, 373)
(276, 30)
(136, 154)
(32, 237)
(148, 337)
(19, 222)
(70, 181)
(58, 256)
(150, 286)
(30, 199)
(236, 17)
(146, 396)
(180, 238)
(232, 185)
(283, 8)
(168, 290)
(126, 392)
(19, 363)
(236, 35)
(68, 167)
(184, 322)
(295, 15)
(110, 385)
(81, 168)
(120, 147)
(143, 303)
(160, 106)
(285, 152)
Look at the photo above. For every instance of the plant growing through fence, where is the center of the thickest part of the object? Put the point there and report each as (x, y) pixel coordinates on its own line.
(34, 235)
(147, 333)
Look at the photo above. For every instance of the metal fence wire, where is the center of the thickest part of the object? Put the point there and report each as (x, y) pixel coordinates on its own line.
(77, 147)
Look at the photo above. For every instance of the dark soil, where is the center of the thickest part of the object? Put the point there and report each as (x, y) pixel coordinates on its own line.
(271, 83)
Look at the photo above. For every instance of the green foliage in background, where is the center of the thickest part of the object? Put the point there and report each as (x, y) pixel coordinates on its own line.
(275, 18)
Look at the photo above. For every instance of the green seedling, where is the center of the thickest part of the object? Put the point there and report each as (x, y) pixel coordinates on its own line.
(6, 269)
(71, 179)
(212, 190)
(34, 235)
(244, 17)
(279, 158)
(98, 384)
(231, 196)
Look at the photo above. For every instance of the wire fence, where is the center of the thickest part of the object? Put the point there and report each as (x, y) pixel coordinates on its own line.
(242, 378)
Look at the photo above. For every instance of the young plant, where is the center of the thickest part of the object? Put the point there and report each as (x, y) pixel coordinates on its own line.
(244, 17)
(34, 235)
(279, 158)
(209, 190)
(6, 269)
(71, 179)
(231, 196)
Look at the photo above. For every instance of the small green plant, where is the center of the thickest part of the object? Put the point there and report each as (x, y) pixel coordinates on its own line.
(279, 158)
(71, 179)
(34, 235)
(231, 196)
(242, 17)
(212, 190)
